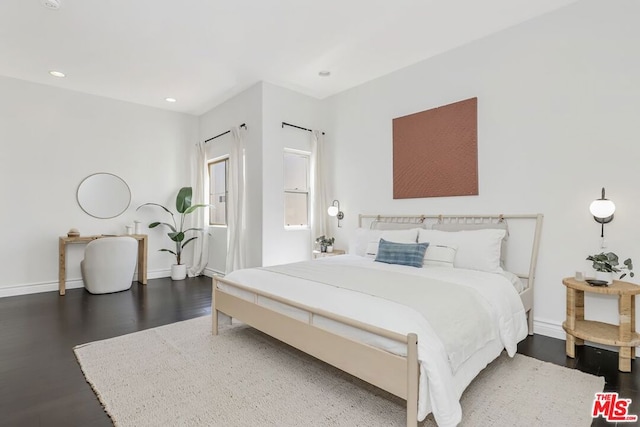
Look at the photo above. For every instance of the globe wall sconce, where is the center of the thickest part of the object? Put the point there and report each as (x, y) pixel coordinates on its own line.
(602, 210)
(334, 210)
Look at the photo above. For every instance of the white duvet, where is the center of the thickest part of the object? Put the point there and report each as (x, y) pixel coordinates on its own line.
(492, 310)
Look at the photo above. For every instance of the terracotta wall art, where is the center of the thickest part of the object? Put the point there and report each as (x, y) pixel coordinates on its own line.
(435, 152)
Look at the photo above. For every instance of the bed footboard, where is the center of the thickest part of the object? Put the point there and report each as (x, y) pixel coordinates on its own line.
(396, 374)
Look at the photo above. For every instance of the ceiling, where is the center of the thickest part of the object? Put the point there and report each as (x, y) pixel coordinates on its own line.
(202, 52)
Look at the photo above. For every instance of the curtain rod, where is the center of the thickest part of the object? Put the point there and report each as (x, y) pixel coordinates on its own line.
(244, 125)
(297, 127)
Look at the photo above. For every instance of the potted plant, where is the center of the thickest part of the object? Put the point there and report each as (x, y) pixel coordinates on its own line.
(177, 233)
(605, 264)
(329, 243)
(325, 243)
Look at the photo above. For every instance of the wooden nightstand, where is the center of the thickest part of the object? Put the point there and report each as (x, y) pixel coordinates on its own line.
(318, 254)
(623, 335)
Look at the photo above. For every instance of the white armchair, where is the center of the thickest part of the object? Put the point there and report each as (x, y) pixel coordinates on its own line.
(109, 264)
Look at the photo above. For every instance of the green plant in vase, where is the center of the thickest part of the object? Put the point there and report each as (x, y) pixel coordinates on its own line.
(325, 242)
(177, 232)
(608, 263)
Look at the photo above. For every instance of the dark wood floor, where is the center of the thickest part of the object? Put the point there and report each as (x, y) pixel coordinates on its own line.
(41, 383)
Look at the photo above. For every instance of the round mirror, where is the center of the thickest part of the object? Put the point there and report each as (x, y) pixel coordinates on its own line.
(104, 195)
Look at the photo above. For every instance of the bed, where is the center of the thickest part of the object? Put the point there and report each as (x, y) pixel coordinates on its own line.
(396, 326)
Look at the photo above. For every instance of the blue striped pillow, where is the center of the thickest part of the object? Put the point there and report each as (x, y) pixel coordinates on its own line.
(411, 254)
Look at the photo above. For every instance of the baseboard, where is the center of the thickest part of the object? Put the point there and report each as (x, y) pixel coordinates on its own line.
(34, 288)
(548, 329)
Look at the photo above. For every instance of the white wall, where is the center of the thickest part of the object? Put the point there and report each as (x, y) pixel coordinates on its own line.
(557, 100)
(243, 108)
(263, 107)
(50, 140)
(280, 246)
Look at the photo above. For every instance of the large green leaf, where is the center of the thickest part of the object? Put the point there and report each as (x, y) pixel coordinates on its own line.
(189, 240)
(193, 208)
(155, 224)
(183, 200)
(176, 237)
(155, 204)
(194, 229)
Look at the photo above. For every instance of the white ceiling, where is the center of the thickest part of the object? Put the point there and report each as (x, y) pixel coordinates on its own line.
(202, 52)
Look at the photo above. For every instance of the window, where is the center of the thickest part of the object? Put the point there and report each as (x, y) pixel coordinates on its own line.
(296, 189)
(218, 191)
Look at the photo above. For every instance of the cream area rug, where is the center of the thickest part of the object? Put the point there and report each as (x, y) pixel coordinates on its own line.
(181, 375)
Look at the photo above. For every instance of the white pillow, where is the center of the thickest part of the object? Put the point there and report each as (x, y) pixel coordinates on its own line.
(439, 255)
(454, 226)
(477, 249)
(359, 240)
(395, 236)
(366, 240)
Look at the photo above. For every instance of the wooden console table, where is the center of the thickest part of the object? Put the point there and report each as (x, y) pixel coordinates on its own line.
(623, 335)
(62, 255)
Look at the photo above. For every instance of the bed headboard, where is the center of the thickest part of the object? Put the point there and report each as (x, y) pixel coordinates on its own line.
(524, 234)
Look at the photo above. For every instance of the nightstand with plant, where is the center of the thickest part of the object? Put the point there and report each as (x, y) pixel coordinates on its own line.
(325, 248)
(325, 243)
(623, 334)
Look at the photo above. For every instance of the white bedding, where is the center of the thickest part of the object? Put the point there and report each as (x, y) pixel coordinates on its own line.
(440, 383)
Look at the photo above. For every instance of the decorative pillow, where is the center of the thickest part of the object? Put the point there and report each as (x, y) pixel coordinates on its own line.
(411, 254)
(477, 249)
(440, 256)
(396, 236)
(498, 226)
(364, 242)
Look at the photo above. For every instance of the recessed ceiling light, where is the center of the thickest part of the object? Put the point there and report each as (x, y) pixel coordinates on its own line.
(51, 4)
(324, 73)
(55, 73)
(170, 99)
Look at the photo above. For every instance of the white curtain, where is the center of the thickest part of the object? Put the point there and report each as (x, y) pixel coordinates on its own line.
(236, 227)
(198, 218)
(318, 184)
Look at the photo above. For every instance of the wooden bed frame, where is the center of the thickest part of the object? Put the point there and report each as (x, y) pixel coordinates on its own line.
(396, 374)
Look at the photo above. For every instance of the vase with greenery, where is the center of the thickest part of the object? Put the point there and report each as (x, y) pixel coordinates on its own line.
(177, 232)
(608, 264)
(325, 242)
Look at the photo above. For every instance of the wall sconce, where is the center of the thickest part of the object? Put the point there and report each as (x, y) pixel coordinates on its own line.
(334, 210)
(602, 210)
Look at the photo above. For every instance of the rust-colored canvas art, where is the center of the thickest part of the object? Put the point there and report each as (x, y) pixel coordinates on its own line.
(435, 152)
